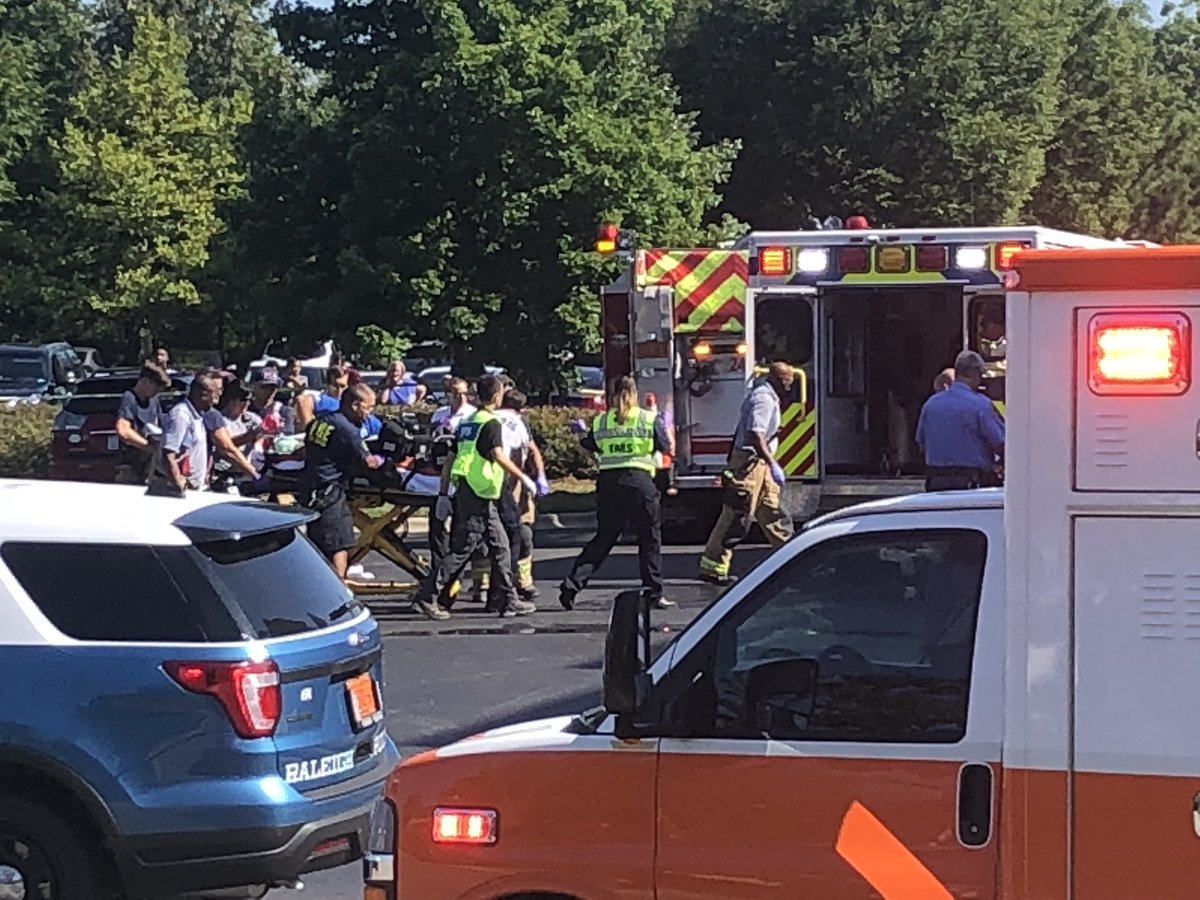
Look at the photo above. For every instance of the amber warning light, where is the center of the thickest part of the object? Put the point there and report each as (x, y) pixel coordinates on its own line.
(1147, 355)
(465, 826)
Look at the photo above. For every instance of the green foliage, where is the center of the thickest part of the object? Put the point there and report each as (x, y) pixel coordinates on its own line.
(485, 142)
(559, 445)
(144, 164)
(378, 348)
(25, 441)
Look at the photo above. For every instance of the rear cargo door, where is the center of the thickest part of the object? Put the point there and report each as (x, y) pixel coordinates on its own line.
(327, 647)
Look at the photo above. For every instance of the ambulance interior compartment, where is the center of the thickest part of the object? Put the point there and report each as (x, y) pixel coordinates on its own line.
(882, 349)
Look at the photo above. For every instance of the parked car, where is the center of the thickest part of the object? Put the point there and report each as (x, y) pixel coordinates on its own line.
(434, 379)
(191, 698)
(89, 357)
(83, 444)
(38, 370)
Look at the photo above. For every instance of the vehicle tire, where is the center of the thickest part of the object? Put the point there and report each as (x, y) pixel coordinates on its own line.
(47, 856)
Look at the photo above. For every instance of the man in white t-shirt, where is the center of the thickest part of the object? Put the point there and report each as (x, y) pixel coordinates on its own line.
(518, 508)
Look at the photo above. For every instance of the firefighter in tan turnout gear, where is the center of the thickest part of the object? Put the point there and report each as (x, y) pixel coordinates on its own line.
(752, 478)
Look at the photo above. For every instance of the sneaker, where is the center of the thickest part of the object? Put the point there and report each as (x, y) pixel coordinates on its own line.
(431, 610)
(529, 593)
(518, 608)
(663, 603)
(566, 597)
(718, 580)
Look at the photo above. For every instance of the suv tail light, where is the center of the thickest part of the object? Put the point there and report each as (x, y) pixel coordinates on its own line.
(249, 691)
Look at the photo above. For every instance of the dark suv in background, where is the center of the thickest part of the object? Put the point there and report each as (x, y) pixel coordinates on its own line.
(38, 370)
(84, 445)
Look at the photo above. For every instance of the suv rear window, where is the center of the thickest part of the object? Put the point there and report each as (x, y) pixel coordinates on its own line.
(108, 592)
(276, 584)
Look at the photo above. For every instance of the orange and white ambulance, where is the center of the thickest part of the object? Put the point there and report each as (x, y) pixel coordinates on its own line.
(975, 695)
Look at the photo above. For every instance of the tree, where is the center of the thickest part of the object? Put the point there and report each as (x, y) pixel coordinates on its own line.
(144, 166)
(44, 51)
(1112, 118)
(911, 111)
(480, 146)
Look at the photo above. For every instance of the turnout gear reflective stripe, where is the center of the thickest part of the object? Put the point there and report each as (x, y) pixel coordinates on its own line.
(484, 477)
(714, 567)
(625, 445)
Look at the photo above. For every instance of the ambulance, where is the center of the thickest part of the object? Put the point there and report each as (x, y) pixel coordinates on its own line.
(981, 694)
(867, 317)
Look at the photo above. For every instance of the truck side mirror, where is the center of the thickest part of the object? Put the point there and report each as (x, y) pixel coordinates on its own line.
(626, 653)
(780, 692)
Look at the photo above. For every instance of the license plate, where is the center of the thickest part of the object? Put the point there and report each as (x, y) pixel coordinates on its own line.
(363, 697)
(113, 442)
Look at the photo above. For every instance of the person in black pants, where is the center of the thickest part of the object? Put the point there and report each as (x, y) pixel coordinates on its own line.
(624, 439)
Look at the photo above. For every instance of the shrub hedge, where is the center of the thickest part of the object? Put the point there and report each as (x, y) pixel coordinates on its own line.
(25, 441)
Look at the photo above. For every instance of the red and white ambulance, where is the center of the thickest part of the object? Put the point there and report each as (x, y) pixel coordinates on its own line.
(980, 695)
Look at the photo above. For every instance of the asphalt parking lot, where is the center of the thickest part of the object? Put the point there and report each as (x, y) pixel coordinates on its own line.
(448, 680)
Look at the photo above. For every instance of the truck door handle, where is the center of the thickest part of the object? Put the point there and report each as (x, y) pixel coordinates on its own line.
(974, 804)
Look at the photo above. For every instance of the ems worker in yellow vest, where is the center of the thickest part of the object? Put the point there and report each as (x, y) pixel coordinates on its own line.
(624, 439)
(481, 472)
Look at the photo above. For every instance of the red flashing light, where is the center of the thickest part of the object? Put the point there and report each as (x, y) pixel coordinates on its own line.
(857, 223)
(932, 258)
(775, 261)
(248, 691)
(1139, 354)
(465, 826)
(1005, 251)
(852, 260)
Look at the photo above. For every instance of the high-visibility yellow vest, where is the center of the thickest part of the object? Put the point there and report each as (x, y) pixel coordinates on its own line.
(483, 476)
(625, 445)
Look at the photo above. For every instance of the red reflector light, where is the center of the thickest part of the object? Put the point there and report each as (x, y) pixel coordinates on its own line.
(1005, 251)
(854, 259)
(465, 826)
(932, 259)
(775, 261)
(1149, 355)
(248, 691)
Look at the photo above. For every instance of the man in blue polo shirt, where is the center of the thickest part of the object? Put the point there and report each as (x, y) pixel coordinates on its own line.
(960, 433)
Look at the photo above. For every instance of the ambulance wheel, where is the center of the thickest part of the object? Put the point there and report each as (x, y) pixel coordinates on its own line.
(44, 858)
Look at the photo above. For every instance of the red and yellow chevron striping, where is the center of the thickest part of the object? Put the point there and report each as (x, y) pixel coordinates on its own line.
(710, 286)
(797, 450)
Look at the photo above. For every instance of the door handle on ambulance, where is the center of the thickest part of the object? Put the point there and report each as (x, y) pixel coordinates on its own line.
(974, 804)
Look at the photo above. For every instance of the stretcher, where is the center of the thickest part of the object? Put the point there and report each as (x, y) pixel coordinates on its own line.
(382, 506)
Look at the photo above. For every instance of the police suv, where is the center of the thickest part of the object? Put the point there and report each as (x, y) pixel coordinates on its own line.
(189, 698)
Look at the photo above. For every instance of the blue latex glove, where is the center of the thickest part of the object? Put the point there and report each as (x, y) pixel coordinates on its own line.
(777, 474)
(578, 426)
(543, 485)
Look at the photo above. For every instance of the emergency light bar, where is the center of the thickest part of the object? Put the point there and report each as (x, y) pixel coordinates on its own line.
(775, 261)
(1005, 251)
(854, 260)
(1143, 354)
(892, 259)
(813, 260)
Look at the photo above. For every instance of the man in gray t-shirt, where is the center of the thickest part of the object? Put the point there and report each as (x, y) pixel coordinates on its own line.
(138, 424)
(183, 461)
(753, 477)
